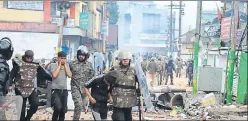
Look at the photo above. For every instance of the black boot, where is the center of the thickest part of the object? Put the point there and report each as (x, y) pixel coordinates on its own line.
(172, 82)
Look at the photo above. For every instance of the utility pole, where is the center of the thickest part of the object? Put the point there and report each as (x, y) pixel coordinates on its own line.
(234, 25)
(196, 45)
(171, 19)
(180, 27)
(63, 6)
(103, 22)
(181, 12)
(247, 28)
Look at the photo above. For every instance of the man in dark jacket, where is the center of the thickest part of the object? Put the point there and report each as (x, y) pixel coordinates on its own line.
(190, 71)
(99, 96)
(169, 68)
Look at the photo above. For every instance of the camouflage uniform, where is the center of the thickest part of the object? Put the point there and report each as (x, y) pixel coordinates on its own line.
(81, 72)
(124, 93)
(160, 72)
(123, 88)
(124, 98)
(179, 67)
(25, 86)
(25, 83)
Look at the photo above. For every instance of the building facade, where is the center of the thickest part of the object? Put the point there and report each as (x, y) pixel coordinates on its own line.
(42, 19)
(143, 27)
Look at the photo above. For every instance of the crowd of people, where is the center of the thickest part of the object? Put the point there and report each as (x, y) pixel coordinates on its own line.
(116, 85)
(161, 69)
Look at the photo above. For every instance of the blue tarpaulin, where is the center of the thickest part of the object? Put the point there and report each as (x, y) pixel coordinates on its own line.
(65, 49)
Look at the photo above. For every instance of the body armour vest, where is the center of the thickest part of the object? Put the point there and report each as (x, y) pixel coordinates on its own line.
(26, 77)
(124, 89)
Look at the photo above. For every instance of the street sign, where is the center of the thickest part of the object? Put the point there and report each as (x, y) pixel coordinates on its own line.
(84, 20)
(225, 28)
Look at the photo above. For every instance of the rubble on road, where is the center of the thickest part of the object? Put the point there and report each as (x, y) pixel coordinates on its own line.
(209, 106)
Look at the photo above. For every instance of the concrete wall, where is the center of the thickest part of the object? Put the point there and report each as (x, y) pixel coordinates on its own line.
(42, 44)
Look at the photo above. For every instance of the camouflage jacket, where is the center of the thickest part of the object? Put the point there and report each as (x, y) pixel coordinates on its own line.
(179, 64)
(124, 88)
(81, 72)
(25, 77)
(160, 66)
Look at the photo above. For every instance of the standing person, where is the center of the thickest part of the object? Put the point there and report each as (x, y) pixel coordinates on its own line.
(23, 75)
(170, 67)
(6, 52)
(190, 71)
(152, 68)
(82, 71)
(123, 88)
(60, 71)
(179, 67)
(160, 71)
(98, 97)
(144, 65)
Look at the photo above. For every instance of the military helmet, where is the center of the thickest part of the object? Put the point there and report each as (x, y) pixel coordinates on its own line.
(29, 53)
(82, 50)
(6, 48)
(124, 55)
(153, 58)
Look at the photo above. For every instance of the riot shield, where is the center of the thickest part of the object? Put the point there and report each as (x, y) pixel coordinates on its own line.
(10, 107)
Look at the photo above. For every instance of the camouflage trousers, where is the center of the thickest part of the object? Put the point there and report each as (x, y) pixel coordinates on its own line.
(160, 77)
(80, 102)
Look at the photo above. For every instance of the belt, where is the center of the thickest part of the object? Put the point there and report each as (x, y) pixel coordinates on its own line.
(125, 86)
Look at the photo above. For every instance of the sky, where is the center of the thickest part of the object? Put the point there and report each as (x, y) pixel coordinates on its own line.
(189, 18)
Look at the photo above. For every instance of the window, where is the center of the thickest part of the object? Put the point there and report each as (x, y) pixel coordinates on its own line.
(151, 23)
(24, 5)
(127, 22)
(54, 8)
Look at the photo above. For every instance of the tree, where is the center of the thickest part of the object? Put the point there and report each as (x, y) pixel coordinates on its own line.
(113, 12)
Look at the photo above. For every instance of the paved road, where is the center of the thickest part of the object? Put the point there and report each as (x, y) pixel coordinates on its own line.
(178, 82)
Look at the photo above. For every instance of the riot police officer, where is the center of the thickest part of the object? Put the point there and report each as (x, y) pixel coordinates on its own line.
(123, 89)
(6, 51)
(82, 71)
(160, 71)
(23, 75)
(189, 72)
